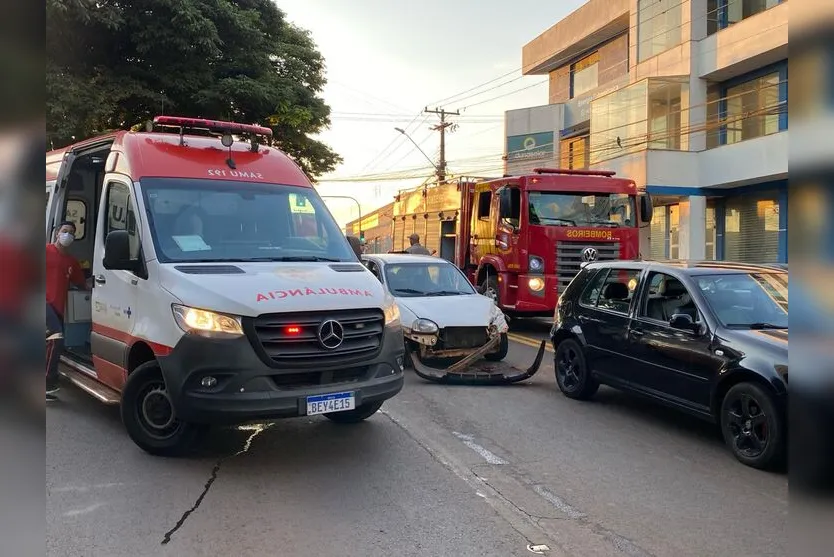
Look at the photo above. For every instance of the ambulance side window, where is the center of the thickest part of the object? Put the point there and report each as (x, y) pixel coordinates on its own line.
(120, 215)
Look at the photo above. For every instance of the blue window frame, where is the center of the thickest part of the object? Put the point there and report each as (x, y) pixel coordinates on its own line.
(780, 69)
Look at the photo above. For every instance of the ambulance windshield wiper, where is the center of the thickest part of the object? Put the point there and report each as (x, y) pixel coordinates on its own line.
(305, 258)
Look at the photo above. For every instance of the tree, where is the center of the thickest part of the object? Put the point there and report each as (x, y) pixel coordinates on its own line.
(112, 64)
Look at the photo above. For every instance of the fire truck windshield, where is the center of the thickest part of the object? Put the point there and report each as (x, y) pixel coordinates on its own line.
(580, 209)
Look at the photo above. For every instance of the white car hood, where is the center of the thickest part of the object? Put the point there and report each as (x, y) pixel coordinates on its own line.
(472, 310)
(273, 287)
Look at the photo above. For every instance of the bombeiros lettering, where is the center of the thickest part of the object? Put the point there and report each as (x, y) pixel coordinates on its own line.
(296, 292)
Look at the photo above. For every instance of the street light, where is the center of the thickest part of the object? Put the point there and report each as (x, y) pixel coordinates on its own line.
(402, 131)
(358, 207)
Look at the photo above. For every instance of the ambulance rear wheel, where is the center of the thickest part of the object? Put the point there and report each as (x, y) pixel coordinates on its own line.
(148, 413)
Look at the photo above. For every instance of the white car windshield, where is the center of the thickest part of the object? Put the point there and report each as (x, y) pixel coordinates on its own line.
(194, 220)
(748, 300)
(409, 280)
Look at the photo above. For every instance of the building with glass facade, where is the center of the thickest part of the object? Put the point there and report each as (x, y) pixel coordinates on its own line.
(686, 97)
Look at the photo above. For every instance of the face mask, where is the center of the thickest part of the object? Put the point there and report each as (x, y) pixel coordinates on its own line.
(65, 239)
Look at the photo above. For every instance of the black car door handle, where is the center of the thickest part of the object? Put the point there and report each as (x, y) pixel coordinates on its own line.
(637, 332)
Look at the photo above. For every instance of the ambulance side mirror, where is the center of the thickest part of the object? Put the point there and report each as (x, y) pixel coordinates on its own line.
(117, 252)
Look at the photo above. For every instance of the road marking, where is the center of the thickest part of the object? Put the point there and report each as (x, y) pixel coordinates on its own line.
(557, 502)
(85, 510)
(490, 457)
(528, 341)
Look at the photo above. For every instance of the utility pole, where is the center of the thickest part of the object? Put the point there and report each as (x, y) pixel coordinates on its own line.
(441, 127)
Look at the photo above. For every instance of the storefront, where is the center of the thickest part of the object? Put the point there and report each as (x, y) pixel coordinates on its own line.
(746, 224)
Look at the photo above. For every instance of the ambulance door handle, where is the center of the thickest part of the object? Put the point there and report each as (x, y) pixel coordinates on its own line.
(100, 279)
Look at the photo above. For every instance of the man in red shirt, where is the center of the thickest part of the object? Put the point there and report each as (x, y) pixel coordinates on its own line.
(61, 270)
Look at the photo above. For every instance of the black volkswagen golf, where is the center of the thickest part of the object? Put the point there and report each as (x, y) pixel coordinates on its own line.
(707, 338)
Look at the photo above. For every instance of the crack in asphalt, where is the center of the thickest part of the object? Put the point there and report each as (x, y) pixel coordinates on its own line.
(212, 477)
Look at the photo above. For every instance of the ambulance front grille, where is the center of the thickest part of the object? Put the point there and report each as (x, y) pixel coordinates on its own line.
(292, 339)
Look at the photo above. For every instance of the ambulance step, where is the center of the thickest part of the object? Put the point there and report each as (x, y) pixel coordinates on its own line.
(87, 384)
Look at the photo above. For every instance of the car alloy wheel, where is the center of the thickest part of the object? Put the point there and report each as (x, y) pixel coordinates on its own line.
(747, 422)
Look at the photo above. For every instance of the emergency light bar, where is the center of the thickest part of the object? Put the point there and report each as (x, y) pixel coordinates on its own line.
(211, 125)
(606, 173)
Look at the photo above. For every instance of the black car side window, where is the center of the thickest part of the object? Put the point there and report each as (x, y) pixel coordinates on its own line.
(618, 290)
(666, 297)
(592, 291)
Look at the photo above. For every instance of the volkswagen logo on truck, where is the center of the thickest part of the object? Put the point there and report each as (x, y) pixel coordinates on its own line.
(589, 255)
(331, 334)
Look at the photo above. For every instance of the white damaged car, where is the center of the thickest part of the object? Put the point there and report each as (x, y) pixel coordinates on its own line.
(443, 317)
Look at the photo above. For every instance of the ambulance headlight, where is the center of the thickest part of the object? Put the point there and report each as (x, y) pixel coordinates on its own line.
(392, 312)
(207, 323)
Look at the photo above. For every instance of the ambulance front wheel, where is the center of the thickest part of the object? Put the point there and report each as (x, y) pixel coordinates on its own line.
(148, 413)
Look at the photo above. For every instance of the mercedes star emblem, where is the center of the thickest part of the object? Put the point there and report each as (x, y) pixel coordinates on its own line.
(331, 334)
(589, 255)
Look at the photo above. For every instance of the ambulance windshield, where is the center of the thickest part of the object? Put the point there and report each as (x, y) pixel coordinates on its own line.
(194, 220)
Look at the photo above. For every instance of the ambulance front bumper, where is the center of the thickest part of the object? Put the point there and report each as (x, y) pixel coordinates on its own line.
(224, 382)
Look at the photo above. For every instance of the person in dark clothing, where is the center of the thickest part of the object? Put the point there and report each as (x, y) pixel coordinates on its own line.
(415, 248)
(61, 270)
(356, 245)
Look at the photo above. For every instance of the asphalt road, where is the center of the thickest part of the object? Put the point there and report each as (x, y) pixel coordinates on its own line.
(443, 471)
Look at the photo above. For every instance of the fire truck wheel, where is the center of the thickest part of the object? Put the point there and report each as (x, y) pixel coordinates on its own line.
(501, 353)
(148, 414)
(490, 289)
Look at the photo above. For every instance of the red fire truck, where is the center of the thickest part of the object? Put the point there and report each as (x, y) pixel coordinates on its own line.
(521, 239)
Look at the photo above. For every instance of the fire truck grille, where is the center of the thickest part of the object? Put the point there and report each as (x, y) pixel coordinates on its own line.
(569, 258)
(292, 339)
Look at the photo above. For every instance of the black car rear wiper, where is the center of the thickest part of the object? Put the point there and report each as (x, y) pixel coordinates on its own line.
(758, 326)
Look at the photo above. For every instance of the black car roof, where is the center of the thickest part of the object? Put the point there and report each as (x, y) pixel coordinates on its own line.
(695, 267)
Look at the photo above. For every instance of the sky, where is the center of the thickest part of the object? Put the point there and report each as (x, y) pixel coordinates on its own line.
(388, 59)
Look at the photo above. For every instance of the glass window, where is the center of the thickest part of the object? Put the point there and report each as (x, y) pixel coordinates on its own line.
(410, 280)
(665, 114)
(618, 290)
(218, 220)
(737, 10)
(591, 294)
(674, 232)
(121, 215)
(751, 230)
(585, 75)
(484, 203)
(574, 152)
(658, 27)
(77, 214)
(667, 296)
(753, 109)
(658, 233)
(593, 209)
(748, 300)
(618, 123)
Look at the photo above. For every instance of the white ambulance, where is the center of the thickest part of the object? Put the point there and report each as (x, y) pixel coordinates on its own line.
(224, 291)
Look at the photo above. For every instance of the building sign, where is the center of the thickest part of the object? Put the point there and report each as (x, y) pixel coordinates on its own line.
(530, 146)
(371, 221)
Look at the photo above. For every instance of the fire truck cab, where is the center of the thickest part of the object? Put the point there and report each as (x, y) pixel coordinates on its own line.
(224, 291)
(522, 239)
